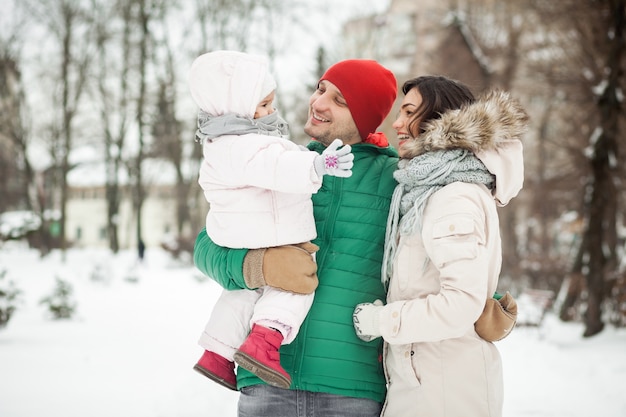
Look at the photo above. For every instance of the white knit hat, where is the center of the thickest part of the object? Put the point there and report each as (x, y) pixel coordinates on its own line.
(223, 82)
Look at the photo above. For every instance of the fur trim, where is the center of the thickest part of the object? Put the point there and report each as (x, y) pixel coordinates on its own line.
(492, 119)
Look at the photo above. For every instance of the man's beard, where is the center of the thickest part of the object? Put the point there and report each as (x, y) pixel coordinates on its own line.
(327, 137)
(323, 138)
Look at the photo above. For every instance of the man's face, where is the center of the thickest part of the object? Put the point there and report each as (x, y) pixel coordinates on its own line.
(329, 116)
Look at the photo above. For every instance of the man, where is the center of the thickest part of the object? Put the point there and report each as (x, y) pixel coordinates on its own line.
(333, 372)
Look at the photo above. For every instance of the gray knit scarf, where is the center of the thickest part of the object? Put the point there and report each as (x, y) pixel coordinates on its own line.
(211, 127)
(418, 179)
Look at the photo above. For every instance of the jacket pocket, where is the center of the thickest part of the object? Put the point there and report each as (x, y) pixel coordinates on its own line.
(410, 262)
(454, 239)
(406, 367)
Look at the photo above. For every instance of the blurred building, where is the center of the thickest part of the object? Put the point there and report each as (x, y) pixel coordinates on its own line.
(86, 223)
(418, 38)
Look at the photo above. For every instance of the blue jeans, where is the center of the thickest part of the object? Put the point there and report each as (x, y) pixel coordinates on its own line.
(267, 401)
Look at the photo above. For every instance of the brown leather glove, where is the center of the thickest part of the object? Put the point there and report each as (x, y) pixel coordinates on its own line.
(497, 319)
(289, 268)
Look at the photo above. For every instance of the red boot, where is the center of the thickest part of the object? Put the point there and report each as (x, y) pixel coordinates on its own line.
(259, 355)
(218, 369)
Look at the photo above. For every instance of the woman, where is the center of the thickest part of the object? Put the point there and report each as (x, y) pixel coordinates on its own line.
(460, 158)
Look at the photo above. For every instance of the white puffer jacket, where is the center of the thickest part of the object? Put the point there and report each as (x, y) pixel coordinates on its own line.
(259, 187)
(435, 363)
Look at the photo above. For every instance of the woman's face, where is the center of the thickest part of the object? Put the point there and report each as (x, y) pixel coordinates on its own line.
(411, 102)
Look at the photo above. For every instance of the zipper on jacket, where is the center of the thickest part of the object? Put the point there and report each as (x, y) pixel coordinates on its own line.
(274, 207)
(333, 208)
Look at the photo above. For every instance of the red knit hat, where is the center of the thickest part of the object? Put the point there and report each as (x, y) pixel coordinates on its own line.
(369, 89)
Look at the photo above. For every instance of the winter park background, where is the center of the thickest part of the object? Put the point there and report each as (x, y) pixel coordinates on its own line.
(131, 345)
(129, 348)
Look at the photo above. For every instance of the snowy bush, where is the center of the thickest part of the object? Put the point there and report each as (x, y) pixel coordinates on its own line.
(100, 273)
(8, 299)
(60, 303)
(17, 224)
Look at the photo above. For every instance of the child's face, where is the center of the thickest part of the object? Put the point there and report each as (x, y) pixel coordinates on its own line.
(264, 107)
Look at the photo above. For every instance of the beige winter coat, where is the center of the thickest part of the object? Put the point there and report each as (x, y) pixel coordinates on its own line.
(435, 363)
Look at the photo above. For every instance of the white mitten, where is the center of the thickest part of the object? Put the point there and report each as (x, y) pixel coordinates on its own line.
(366, 320)
(335, 162)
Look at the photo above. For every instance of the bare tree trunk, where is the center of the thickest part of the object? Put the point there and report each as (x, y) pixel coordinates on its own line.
(576, 282)
(603, 204)
(114, 108)
(539, 201)
(16, 184)
(66, 126)
(168, 144)
(68, 107)
(167, 131)
(71, 79)
(601, 199)
(139, 192)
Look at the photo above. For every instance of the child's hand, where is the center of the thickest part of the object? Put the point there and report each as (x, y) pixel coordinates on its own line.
(332, 161)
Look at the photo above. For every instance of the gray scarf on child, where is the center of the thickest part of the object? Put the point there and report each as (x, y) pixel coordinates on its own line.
(418, 179)
(211, 127)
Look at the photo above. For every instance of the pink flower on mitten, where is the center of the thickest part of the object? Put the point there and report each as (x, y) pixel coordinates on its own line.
(331, 161)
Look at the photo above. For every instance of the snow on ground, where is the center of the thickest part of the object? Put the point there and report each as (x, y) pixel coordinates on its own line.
(131, 346)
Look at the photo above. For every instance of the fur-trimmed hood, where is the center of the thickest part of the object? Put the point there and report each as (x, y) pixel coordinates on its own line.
(492, 128)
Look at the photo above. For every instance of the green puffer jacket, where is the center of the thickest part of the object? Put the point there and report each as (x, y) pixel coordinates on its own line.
(351, 217)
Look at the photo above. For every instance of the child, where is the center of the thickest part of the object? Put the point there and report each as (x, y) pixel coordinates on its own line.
(258, 184)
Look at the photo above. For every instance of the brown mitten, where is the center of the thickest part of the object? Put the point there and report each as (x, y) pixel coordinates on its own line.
(289, 268)
(497, 319)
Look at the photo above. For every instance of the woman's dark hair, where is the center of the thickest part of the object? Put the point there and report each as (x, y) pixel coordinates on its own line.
(439, 94)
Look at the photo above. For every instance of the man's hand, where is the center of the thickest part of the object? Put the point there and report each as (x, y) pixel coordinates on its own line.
(366, 320)
(289, 268)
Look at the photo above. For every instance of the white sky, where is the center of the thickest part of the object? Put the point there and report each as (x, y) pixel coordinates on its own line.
(325, 21)
(320, 25)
